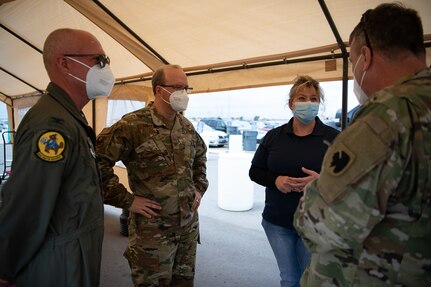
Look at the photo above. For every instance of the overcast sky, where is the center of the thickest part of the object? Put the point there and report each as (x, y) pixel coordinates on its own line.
(3, 112)
(267, 102)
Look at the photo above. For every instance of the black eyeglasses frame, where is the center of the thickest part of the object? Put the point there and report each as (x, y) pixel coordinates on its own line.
(364, 19)
(178, 87)
(102, 59)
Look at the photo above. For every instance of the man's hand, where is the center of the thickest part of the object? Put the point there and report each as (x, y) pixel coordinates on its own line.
(312, 175)
(144, 206)
(196, 201)
(287, 184)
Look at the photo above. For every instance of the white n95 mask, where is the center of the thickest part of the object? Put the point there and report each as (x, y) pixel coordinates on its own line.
(361, 96)
(178, 100)
(99, 81)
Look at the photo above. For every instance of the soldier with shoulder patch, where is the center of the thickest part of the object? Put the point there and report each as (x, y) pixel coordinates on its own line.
(366, 219)
(51, 216)
(166, 165)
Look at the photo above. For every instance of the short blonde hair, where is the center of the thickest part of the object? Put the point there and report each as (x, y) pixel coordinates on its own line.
(306, 81)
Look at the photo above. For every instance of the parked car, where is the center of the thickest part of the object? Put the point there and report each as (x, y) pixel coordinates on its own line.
(350, 115)
(260, 134)
(216, 123)
(4, 125)
(241, 125)
(215, 138)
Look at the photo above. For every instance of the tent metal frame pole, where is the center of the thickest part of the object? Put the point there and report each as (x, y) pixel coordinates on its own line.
(12, 110)
(262, 65)
(345, 57)
(7, 97)
(245, 66)
(29, 44)
(20, 38)
(21, 80)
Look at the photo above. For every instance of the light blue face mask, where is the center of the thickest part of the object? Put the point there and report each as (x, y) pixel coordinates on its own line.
(305, 112)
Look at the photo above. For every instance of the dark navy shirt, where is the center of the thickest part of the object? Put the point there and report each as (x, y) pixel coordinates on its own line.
(281, 152)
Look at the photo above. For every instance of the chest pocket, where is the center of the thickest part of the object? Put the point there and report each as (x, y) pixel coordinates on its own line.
(87, 154)
(153, 153)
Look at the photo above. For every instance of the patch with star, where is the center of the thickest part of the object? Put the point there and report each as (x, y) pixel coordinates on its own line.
(50, 146)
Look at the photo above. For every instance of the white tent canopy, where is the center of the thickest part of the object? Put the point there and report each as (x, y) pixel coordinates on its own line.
(225, 44)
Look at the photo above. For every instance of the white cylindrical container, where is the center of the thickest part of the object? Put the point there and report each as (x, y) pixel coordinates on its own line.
(207, 142)
(235, 143)
(235, 189)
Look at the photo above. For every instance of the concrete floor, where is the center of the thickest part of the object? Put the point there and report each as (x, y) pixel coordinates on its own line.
(234, 251)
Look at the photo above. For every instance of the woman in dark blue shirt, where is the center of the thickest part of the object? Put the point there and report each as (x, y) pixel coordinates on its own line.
(287, 159)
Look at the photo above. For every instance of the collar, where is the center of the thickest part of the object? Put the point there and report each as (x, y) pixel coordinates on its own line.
(155, 117)
(317, 131)
(158, 119)
(425, 73)
(60, 96)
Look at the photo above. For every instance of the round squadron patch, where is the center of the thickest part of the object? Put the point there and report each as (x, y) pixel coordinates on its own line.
(50, 146)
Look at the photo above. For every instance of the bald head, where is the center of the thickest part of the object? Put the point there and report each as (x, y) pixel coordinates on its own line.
(67, 55)
(159, 76)
(66, 41)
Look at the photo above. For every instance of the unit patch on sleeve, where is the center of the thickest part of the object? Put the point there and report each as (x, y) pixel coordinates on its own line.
(50, 146)
(341, 160)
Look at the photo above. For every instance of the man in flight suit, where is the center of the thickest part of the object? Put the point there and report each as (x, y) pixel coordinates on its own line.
(166, 166)
(366, 219)
(51, 217)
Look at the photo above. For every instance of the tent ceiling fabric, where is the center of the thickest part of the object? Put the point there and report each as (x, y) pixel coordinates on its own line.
(197, 35)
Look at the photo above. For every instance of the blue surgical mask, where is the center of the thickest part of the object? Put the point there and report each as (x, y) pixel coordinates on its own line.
(305, 112)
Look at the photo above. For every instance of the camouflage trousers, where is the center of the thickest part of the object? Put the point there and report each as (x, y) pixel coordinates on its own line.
(162, 256)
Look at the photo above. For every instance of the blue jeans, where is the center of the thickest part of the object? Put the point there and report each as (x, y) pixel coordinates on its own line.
(290, 252)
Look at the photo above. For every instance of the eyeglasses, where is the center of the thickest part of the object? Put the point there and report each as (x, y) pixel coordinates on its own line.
(178, 87)
(101, 59)
(364, 19)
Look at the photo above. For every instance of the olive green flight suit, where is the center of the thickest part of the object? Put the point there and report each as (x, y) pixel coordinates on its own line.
(51, 217)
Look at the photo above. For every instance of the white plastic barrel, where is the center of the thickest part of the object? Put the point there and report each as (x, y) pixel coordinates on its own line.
(235, 189)
(235, 143)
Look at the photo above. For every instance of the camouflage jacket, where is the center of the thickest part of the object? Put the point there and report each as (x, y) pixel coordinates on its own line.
(366, 219)
(165, 165)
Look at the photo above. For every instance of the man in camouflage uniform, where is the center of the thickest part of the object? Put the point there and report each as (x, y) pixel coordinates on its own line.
(166, 164)
(367, 217)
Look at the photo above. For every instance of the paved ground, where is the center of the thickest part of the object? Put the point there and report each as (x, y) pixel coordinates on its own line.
(234, 250)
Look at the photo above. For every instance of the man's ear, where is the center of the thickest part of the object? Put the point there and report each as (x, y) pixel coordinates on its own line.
(157, 90)
(62, 64)
(366, 54)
